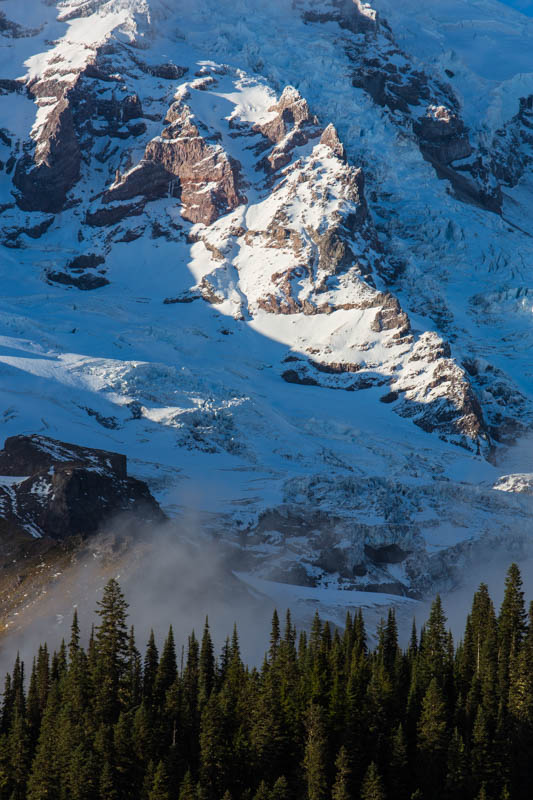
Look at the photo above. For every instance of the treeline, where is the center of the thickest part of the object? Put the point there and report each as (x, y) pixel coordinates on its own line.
(324, 718)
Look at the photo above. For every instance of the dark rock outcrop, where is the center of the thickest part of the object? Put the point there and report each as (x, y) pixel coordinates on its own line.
(512, 148)
(43, 182)
(347, 13)
(84, 282)
(110, 215)
(442, 135)
(86, 261)
(69, 490)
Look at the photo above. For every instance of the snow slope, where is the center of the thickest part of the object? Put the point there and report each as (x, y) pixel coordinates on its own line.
(305, 305)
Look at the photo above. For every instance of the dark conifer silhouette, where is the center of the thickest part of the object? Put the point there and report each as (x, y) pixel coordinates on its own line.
(324, 719)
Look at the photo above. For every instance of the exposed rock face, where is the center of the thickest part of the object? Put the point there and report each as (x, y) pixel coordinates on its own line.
(350, 14)
(77, 275)
(391, 317)
(443, 136)
(335, 543)
(284, 225)
(26, 455)
(521, 483)
(148, 179)
(69, 490)
(12, 30)
(44, 182)
(181, 163)
(293, 126)
(330, 137)
(13, 236)
(446, 402)
(512, 148)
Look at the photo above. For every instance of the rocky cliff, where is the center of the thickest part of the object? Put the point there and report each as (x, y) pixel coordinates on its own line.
(57, 490)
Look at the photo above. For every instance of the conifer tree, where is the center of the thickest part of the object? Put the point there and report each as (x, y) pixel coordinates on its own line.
(315, 754)
(80, 781)
(19, 756)
(359, 633)
(275, 636)
(44, 780)
(280, 790)
(74, 643)
(143, 735)
(167, 669)
(456, 768)
(341, 787)
(207, 675)
(151, 663)
(372, 788)
(127, 773)
(482, 794)
(511, 627)
(398, 780)
(390, 642)
(433, 654)
(159, 790)
(108, 787)
(215, 749)
(59, 663)
(111, 642)
(223, 663)
(133, 684)
(413, 642)
(432, 740)
(262, 792)
(481, 756)
(267, 724)
(17, 688)
(7, 705)
(33, 710)
(188, 788)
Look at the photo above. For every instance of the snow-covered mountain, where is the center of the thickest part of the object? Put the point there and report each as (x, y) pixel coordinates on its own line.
(281, 255)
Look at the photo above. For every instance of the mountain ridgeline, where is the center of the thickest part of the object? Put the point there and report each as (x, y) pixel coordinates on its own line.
(323, 717)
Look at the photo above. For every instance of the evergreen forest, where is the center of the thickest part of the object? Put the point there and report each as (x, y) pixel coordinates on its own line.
(325, 717)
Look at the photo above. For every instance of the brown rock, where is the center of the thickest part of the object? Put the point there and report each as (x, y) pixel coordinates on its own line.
(181, 163)
(293, 126)
(330, 137)
(44, 183)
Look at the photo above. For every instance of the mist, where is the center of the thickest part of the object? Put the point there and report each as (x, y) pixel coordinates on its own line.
(171, 574)
(490, 567)
(176, 574)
